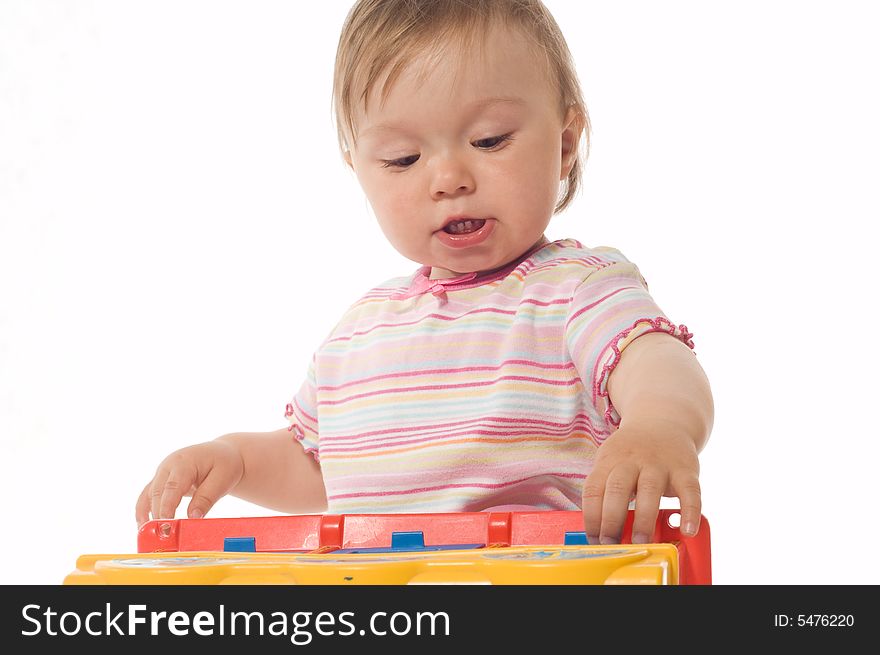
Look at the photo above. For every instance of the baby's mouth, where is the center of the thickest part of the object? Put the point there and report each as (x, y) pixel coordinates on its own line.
(464, 226)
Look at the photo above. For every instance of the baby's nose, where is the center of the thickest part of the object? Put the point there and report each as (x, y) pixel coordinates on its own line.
(451, 178)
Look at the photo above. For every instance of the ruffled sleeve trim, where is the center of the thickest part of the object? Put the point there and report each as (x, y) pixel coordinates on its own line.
(298, 433)
(621, 341)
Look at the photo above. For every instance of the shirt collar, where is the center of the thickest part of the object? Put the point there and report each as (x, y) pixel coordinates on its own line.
(422, 283)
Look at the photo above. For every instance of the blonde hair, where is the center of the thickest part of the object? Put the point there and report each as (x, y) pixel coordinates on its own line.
(380, 35)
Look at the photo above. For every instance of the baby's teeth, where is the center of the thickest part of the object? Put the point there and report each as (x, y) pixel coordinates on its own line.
(463, 226)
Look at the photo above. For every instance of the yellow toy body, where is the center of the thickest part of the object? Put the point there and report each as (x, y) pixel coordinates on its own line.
(498, 548)
(653, 564)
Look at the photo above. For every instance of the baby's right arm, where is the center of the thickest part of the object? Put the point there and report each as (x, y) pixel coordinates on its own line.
(266, 468)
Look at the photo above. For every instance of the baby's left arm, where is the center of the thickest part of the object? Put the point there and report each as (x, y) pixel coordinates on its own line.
(666, 413)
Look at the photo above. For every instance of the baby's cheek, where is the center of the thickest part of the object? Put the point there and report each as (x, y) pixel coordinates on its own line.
(530, 184)
(404, 232)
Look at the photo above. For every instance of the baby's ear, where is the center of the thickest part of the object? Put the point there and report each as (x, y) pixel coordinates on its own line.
(573, 127)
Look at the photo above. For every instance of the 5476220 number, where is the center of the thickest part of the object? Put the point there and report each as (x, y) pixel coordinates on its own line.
(814, 620)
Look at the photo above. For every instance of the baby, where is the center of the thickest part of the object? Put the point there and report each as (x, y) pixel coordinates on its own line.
(507, 371)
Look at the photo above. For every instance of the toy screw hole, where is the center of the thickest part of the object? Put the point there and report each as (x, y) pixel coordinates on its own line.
(164, 530)
(674, 520)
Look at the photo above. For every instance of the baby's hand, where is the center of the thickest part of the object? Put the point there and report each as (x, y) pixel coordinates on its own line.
(206, 471)
(645, 463)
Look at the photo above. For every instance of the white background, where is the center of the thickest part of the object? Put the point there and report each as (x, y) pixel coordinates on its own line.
(178, 233)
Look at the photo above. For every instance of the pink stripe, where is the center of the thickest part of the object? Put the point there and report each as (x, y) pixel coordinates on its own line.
(601, 300)
(480, 485)
(442, 317)
(438, 431)
(303, 413)
(490, 310)
(436, 387)
(465, 369)
(501, 471)
(379, 292)
(452, 435)
(532, 301)
(593, 262)
(487, 419)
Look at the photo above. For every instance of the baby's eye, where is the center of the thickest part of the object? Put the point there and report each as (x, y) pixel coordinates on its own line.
(403, 162)
(488, 144)
(482, 144)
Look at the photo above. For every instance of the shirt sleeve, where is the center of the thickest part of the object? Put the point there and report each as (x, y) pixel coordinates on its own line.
(302, 414)
(610, 309)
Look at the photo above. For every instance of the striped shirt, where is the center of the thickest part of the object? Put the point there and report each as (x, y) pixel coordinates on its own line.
(474, 392)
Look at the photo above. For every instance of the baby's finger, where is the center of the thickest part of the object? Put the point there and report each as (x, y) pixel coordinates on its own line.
(650, 488)
(142, 508)
(618, 492)
(592, 499)
(687, 487)
(176, 484)
(215, 485)
(156, 489)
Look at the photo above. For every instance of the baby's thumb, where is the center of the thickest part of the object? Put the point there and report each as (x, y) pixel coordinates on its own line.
(213, 488)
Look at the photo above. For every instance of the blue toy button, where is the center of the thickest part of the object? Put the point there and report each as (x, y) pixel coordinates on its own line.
(407, 540)
(576, 539)
(240, 545)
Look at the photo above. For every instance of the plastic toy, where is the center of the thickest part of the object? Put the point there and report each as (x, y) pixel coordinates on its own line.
(538, 547)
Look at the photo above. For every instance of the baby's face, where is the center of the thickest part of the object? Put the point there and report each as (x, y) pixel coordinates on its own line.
(438, 151)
